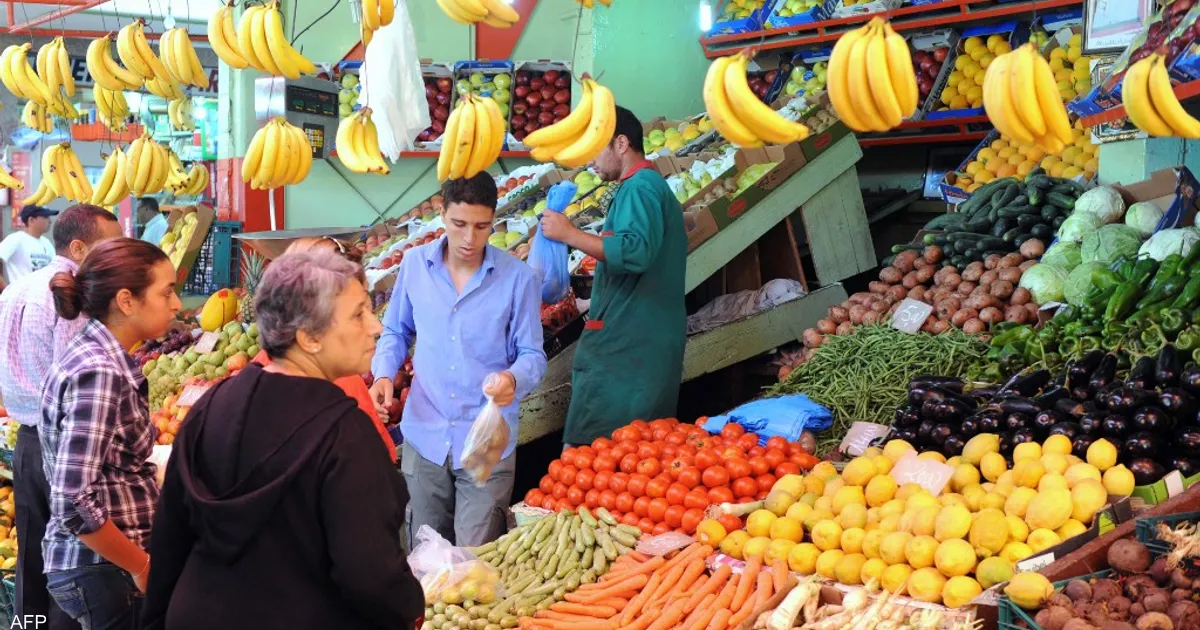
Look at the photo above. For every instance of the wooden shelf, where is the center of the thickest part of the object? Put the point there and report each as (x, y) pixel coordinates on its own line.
(939, 132)
(1184, 91)
(906, 18)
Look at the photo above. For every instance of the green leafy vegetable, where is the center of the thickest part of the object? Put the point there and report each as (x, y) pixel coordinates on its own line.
(1110, 243)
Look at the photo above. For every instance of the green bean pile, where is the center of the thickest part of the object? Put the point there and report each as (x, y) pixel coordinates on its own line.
(863, 376)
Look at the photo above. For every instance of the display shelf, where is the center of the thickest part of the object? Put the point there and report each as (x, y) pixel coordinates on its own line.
(907, 18)
(961, 132)
(1183, 91)
(434, 154)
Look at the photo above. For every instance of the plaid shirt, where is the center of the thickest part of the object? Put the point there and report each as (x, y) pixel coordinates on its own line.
(96, 436)
(35, 334)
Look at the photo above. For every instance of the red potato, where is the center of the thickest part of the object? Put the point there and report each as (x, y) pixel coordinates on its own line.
(991, 262)
(1016, 314)
(890, 275)
(1032, 249)
(910, 280)
(1026, 265)
(979, 290)
(904, 261)
(897, 293)
(925, 274)
(928, 325)
(1033, 311)
(1002, 289)
(826, 326)
(963, 316)
(965, 288)
(951, 281)
(991, 315)
(917, 293)
(1009, 274)
(856, 314)
(972, 272)
(974, 326)
(839, 314)
(844, 328)
(812, 338)
(872, 317)
(1021, 296)
(932, 254)
(939, 278)
(878, 288)
(940, 326)
(921, 263)
(948, 307)
(989, 277)
(1010, 260)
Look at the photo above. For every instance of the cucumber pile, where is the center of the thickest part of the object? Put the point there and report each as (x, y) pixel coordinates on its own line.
(1003, 214)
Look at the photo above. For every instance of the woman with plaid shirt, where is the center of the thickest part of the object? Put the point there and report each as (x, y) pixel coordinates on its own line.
(96, 433)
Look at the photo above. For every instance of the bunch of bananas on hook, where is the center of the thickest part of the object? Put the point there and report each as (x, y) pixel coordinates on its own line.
(1151, 104)
(358, 144)
(63, 173)
(473, 139)
(111, 107)
(588, 4)
(25, 82)
(258, 42)
(279, 154)
(114, 182)
(736, 111)
(582, 135)
(1022, 100)
(870, 78)
(185, 181)
(491, 12)
(375, 14)
(180, 114)
(180, 58)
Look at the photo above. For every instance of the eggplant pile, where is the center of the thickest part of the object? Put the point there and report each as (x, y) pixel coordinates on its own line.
(1151, 415)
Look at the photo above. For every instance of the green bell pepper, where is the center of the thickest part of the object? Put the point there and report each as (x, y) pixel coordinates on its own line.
(1195, 318)
(1065, 315)
(1047, 335)
(1052, 359)
(1188, 339)
(1105, 279)
(1172, 320)
(1189, 262)
(1196, 355)
(1069, 346)
(1034, 352)
(1089, 342)
(1151, 339)
(1167, 291)
(1020, 334)
(1111, 341)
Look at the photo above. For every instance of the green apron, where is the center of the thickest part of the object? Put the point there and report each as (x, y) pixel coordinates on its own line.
(629, 359)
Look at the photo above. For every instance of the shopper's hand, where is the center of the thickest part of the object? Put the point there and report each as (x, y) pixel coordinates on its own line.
(556, 226)
(501, 387)
(382, 392)
(140, 580)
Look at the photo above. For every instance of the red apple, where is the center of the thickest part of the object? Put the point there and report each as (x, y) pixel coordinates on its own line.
(562, 96)
(548, 92)
(551, 76)
(518, 121)
(441, 113)
(545, 118)
(562, 109)
(439, 126)
(771, 74)
(563, 82)
(430, 91)
(534, 99)
(531, 127)
(537, 84)
(519, 107)
(933, 71)
(522, 78)
(443, 98)
(920, 55)
(444, 84)
(547, 105)
(521, 92)
(939, 55)
(519, 134)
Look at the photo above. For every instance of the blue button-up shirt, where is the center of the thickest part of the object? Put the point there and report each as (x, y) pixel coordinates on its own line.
(493, 325)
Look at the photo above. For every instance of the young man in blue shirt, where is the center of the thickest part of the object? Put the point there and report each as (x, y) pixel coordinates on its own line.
(471, 310)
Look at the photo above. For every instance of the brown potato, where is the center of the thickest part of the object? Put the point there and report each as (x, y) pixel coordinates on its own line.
(991, 262)
(1021, 296)
(904, 261)
(991, 315)
(878, 288)
(1009, 274)
(972, 272)
(989, 277)
(948, 307)
(1026, 265)
(1002, 289)
(1010, 260)
(963, 316)
(951, 281)
(910, 280)
(925, 274)
(933, 254)
(920, 263)
(871, 317)
(965, 287)
(917, 293)
(856, 314)
(897, 292)
(974, 326)
(890, 275)
(844, 328)
(1016, 314)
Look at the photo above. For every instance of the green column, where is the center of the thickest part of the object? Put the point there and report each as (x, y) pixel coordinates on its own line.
(1131, 161)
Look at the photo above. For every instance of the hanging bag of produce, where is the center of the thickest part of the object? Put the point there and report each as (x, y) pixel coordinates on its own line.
(392, 85)
(549, 257)
(486, 441)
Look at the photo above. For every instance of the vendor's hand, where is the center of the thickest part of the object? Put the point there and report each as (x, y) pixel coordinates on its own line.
(382, 392)
(502, 388)
(556, 226)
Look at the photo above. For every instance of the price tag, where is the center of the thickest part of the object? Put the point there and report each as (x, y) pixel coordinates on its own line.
(929, 474)
(207, 342)
(858, 438)
(911, 315)
(191, 394)
(1035, 563)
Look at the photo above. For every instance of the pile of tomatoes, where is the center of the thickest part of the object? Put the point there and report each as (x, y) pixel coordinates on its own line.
(661, 475)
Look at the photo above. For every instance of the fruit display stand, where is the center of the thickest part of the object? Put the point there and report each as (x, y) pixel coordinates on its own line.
(822, 197)
(272, 244)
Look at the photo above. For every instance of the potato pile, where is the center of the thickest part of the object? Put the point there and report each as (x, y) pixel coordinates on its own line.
(972, 298)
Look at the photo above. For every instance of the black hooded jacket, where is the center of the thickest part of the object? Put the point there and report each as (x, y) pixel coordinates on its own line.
(280, 509)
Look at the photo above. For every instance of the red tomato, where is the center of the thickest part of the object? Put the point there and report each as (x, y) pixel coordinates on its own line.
(534, 497)
(649, 467)
(664, 423)
(715, 477)
(562, 505)
(744, 488)
(757, 451)
(676, 437)
(691, 518)
(602, 444)
(625, 502)
(670, 451)
(608, 499)
(687, 450)
(546, 485)
(720, 494)
(585, 479)
(619, 451)
(759, 465)
(555, 468)
(765, 481)
(738, 468)
(787, 468)
(637, 484)
(640, 425)
(690, 477)
(583, 461)
(646, 525)
(629, 518)
(674, 515)
(629, 463)
(699, 442)
(575, 495)
(549, 502)
(778, 443)
(658, 507)
(560, 490)
(706, 459)
(567, 474)
(618, 482)
(641, 506)
(626, 434)
(774, 458)
(748, 441)
(592, 498)
(701, 420)
(660, 529)
(601, 481)
(794, 447)
(732, 451)
(676, 494)
(732, 431)
(656, 488)
(568, 456)
(648, 450)
(697, 498)
(730, 522)
(604, 462)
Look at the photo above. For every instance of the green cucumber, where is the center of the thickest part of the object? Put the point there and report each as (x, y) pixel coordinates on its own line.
(1061, 200)
(1028, 220)
(950, 220)
(978, 226)
(1001, 226)
(1034, 194)
(1042, 231)
(1013, 212)
(1011, 235)
(1050, 211)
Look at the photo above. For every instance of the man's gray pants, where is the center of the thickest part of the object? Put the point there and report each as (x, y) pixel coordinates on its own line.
(449, 502)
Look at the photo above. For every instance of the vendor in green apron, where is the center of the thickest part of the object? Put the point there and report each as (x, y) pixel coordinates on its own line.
(630, 357)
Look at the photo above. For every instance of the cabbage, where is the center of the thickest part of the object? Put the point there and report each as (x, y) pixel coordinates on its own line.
(1167, 242)
(1063, 254)
(1045, 282)
(1102, 201)
(1078, 225)
(1144, 216)
(1080, 281)
(1110, 243)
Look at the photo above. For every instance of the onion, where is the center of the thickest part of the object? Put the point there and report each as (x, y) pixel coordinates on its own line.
(910, 280)
(1016, 314)
(963, 316)
(1009, 274)
(1021, 296)
(844, 328)
(826, 326)
(856, 314)
(973, 326)
(990, 315)
(890, 275)
(1033, 249)
(812, 338)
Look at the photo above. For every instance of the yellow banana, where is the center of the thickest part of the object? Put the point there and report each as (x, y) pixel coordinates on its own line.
(245, 39)
(860, 87)
(838, 80)
(270, 159)
(147, 54)
(107, 177)
(120, 187)
(223, 39)
(481, 145)
(41, 196)
(599, 132)
(50, 173)
(43, 65)
(166, 48)
(720, 112)
(900, 69)
(462, 143)
(8, 181)
(31, 84)
(546, 152)
(879, 77)
(1003, 101)
(387, 11)
(63, 61)
(1023, 89)
(306, 158)
(499, 124)
(370, 14)
(290, 62)
(254, 154)
(258, 39)
(762, 121)
(496, 22)
(6, 73)
(500, 11)
(199, 74)
(104, 68)
(471, 7)
(451, 10)
(1135, 93)
(79, 182)
(142, 166)
(1167, 104)
(446, 155)
(370, 145)
(127, 51)
(1054, 113)
(568, 128)
(346, 148)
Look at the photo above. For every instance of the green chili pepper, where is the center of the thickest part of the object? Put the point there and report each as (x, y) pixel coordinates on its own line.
(1188, 339)
(1111, 341)
(1123, 300)
(1115, 327)
(1000, 327)
(1019, 334)
(1065, 315)
(1150, 338)
(1189, 297)
(1047, 336)
(1124, 268)
(1143, 271)
(1195, 318)
(1069, 346)
(1089, 342)
(1151, 312)
(1072, 329)
(1196, 355)
(1172, 320)
(1034, 352)
(1189, 262)
(1167, 291)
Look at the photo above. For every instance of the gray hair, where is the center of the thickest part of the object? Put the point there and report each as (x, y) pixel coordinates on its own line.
(299, 292)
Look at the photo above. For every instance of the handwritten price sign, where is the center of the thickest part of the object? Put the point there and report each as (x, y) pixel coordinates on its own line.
(929, 474)
(911, 315)
(207, 342)
(191, 394)
(858, 438)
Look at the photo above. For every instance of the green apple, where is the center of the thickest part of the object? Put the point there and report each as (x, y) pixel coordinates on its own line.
(478, 79)
(502, 95)
(502, 81)
(349, 80)
(463, 86)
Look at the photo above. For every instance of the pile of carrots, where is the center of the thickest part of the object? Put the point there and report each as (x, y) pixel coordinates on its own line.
(642, 592)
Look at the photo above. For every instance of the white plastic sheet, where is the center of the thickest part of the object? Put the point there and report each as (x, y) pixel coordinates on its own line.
(392, 85)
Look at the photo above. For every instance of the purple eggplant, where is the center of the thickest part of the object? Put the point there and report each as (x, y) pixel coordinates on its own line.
(925, 429)
(1189, 380)
(1126, 400)
(1141, 375)
(969, 427)
(1080, 444)
(1143, 444)
(1020, 436)
(940, 432)
(1101, 398)
(1091, 423)
(1028, 384)
(1146, 471)
(1169, 367)
(1115, 426)
(990, 422)
(1015, 404)
(1069, 429)
(1069, 407)
(1017, 420)
(948, 410)
(1177, 402)
(920, 394)
(945, 382)
(953, 445)
(1187, 466)
(1152, 419)
(1046, 419)
(1080, 370)
(907, 417)
(1187, 442)
(908, 434)
(1104, 374)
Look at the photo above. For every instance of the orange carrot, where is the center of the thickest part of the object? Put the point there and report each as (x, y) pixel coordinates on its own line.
(687, 581)
(669, 581)
(639, 556)
(779, 571)
(720, 620)
(749, 574)
(595, 610)
(701, 615)
(669, 618)
(640, 600)
(645, 567)
(761, 594)
(555, 624)
(725, 597)
(641, 623)
(620, 588)
(714, 584)
(615, 602)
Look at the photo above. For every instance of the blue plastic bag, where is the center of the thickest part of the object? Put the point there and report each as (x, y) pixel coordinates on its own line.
(548, 257)
(786, 416)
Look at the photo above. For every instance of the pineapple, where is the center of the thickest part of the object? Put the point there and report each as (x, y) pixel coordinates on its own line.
(252, 270)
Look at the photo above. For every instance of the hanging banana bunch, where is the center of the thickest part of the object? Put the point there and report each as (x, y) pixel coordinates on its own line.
(224, 39)
(64, 173)
(41, 196)
(8, 181)
(588, 4)
(135, 52)
(473, 139)
(279, 154)
(113, 185)
(185, 181)
(871, 82)
(358, 144)
(105, 70)
(376, 14)
(1151, 104)
(579, 137)
(165, 88)
(180, 114)
(20, 78)
(54, 66)
(262, 45)
(1022, 100)
(180, 60)
(146, 169)
(111, 108)
(36, 117)
(737, 113)
(491, 12)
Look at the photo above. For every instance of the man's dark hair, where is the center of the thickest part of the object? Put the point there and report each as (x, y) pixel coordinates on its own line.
(78, 223)
(479, 190)
(148, 203)
(629, 126)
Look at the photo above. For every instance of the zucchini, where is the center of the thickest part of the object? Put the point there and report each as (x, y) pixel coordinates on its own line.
(970, 236)
(1035, 195)
(997, 252)
(1011, 235)
(1001, 226)
(961, 246)
(977, 226)
(1042, 231)
(930, 239)
(941, 238)
(958, 261)
(1067, 186)
(995, 243)
(993, 215)
(1028, 220)
(1013, 212)
(1061, 200)
(1020, 200)
(1049, 212)
(950, 220)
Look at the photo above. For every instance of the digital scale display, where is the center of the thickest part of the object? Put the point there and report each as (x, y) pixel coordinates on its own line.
(309, 101)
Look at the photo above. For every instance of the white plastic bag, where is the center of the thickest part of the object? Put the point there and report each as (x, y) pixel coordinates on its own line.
(392, 85)
(486, 441)
(452, 574)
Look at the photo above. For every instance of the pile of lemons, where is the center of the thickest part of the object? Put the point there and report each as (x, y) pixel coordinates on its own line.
(1072, 69)
(964, 86)
(740, 9)
(861, 525)
(1005, 157)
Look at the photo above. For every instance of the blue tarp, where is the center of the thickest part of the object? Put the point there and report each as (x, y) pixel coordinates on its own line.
(785, 416)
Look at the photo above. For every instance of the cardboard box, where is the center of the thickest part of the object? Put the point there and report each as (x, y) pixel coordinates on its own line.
(1018, 34)
(1118, 511)
(435, 71)
(205, 215)
(1172, 189)
(700, 226)
(951, 192)
(1170, 485)
(930, 42)
(463, 71)
(789, 158)
(815, 14)
(743, 25)
(837, 9)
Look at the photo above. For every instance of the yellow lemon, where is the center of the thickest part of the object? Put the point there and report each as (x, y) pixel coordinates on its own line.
(992, 465)
(1026, 450)
(816, 516)
(880, 490)
(778, 550)
(814, 485)
(924, 521)
(1057, 443)
(759, 522)
(989, 533)
(977, 447)
(1040, 539)
(756, 547)
(848, 570)
(1070, 529)
(926, 584)
(1029, 590)
(964, 475)
(823, 470)
(827, 535)
(803, 558)
(791, 484)
(1102, 454)
(872, 569)
(733, 544)
(1018, 501)
(882, 464)
(871, 543)
(895, 576)
(895, 449)
(919, 551)
(859, 471)
(973, 496)
(893, 547)
(828, 561)
(1079, 472)
(1018, 529)
(848, 495)
(1028, 472)
(993, 500)
(1049, 509)
(1015, 551)
(1051, 481)
(952, 521)
(932, 456)
(852, 540)
(1118, 480)
(832, 486)
(993, 571)
(959, 590)
(1055, 463)
(799, 511)
(993, 41)
(787, 528)
(918, 501)
(952, 498)
(1087, 497)
(895, 507)
(954, 557)
(853, 515)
